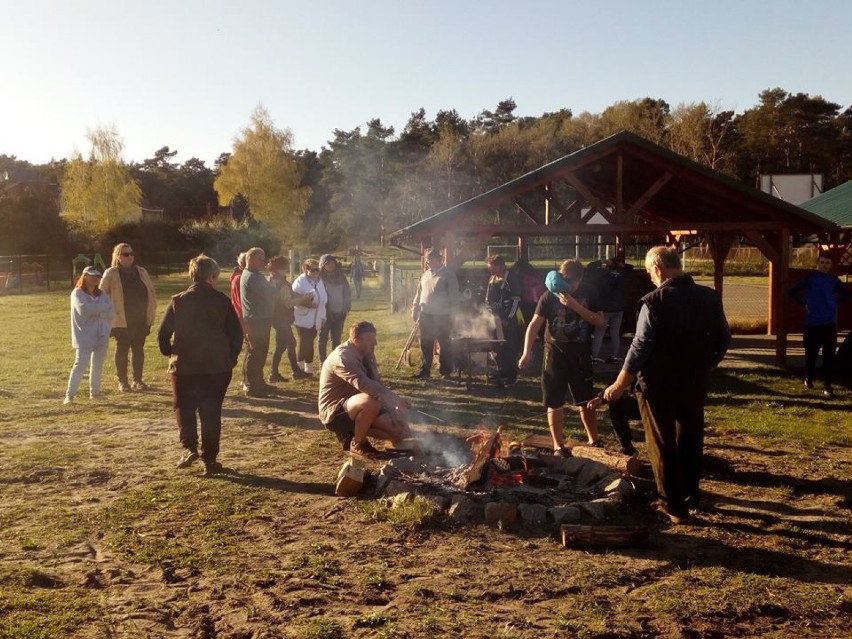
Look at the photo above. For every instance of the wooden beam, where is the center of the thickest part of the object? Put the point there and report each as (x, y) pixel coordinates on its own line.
(779, 274)
(523, 210)
(590, 197)
(720, 245)
(647, 195)
(619, 189)
(578, 228)
(762, 244)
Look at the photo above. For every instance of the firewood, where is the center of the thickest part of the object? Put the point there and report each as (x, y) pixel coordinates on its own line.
(489, 448)
(584, 535)
(616, 461)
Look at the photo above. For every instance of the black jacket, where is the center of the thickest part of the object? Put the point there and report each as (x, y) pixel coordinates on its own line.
(207, 333)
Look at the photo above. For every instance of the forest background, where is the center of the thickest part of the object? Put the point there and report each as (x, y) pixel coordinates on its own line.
(372, 180)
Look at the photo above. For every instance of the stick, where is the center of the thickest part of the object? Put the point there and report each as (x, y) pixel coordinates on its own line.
(408, 343)
(417, 410)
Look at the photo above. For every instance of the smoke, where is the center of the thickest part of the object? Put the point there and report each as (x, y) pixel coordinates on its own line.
(450, 450)
(480, 323)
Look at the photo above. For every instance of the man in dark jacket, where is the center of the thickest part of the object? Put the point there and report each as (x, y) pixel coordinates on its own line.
(206, 346)
(681, 335)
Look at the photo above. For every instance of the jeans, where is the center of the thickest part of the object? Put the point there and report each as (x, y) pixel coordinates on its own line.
(136, 345)
(334, 327)
(613, 320)
(306, 343)
(436, 328)
(203, 394)
(284, 341)
(95, 358)
(255, 357)
(820, 337)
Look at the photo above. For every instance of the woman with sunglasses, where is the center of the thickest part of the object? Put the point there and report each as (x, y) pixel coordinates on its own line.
(310, 312)
(91, 317)
(135, 302)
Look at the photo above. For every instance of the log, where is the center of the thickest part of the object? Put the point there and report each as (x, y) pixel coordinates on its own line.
(489, 449)
(574, 535)
(616, 461)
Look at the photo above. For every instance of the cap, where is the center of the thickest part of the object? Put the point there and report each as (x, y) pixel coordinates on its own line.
(555, 283)
(91, 270)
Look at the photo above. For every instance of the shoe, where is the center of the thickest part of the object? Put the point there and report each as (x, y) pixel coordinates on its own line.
(124, 387)
(447, 376)
(614, 360)
(69, 399)
(94, 395)
(277, 377)
(300, 374)
(597, 360)
(213, 468)
(666, 512)
(309, 368)
(828, 392)
(596, 444)
(420, 375)
(188, 458)
(139, 386)
(257, 392)
(628, 450)
(562, 451)
(809, 384)
(364, 449)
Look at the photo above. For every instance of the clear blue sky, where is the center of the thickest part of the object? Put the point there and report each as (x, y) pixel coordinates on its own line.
(188, 73)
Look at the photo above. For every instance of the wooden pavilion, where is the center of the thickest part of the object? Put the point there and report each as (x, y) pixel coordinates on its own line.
(623, 188)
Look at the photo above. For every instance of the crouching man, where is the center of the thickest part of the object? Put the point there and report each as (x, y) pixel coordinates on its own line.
(353, 403)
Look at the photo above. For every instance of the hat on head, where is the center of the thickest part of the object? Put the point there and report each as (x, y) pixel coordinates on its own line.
(555, 283)
(325, 259)
(91, 270)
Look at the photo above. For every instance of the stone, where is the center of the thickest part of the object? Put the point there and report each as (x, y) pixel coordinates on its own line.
(564, 514)
(439, 501)
(497, 511)
(599, 508)
(590, 473)
(463, 509)
(400, 498)
(533, 514)
(403, 465)
(618, 488)
(395, 487)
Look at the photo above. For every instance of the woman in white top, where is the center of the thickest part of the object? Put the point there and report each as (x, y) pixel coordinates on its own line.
(310, 314)
(91, 319)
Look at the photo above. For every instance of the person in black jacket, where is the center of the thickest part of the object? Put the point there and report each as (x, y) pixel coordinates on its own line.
(681, 335)
(202, 337)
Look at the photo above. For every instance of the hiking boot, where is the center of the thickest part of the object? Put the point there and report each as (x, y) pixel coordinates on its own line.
(188, 458)
(213, 468)
(124, 387)
(363, 449)
(139, 386)
(276, 377)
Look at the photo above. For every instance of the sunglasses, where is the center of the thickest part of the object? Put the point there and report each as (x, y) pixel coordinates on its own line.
(130, 254)
(313, 270)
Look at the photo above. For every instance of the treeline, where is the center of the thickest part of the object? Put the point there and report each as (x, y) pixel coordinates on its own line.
(372, 180)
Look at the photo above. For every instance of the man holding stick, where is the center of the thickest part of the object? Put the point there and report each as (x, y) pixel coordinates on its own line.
(681, 335)
(353, 403)
(434, 305)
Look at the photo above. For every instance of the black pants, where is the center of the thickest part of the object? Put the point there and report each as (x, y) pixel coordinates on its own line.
(203, 394)
(674, 435)
(334, 328)
(436, 328)
(284, 341)
(620, 413)
(507, 354)
(255, 357)
(135, 344)
(820, 337)
(306, 343)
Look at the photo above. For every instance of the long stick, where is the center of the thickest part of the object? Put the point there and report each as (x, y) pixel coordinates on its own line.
(408, 343)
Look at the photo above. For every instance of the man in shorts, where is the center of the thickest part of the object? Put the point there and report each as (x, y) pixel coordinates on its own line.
(569, 310)
(353, 403)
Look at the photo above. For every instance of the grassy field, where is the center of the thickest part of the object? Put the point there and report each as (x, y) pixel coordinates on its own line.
(101, 537)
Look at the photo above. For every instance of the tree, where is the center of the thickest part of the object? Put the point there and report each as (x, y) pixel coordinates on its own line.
(263, 170)
(646, 117)
(702, 133)
(99, 192)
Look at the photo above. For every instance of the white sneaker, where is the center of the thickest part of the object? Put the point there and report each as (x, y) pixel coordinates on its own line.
(69, 399)
(309, 368)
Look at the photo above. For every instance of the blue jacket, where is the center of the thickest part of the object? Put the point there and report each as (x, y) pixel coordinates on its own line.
(91, 319)
(820, 293)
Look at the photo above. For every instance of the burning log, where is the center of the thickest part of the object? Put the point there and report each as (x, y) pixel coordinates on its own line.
(620, 463)
(574, 535)
(490, 448)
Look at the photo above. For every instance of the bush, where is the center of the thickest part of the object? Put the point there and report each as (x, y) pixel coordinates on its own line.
(222, 238)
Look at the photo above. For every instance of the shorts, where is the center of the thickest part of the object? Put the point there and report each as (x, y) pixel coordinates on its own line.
(567, 367)
(341, 424)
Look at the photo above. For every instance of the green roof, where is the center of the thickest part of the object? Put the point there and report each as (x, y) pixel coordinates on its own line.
(834, 205)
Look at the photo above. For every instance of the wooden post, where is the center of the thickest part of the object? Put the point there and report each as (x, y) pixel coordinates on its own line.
(779, 274)
(720, 246)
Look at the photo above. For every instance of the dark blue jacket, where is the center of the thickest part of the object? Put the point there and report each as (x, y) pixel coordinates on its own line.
(820, 293)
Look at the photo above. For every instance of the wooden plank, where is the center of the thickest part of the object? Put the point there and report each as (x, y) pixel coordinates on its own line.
(647, 195)
(616, 461)
(575, 535)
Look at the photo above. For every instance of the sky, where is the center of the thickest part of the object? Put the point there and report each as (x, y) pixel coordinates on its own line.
(188, 73)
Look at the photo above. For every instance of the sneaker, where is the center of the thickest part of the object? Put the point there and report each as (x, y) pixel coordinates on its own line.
(300, 374)
(596, 444)
(69, 399)
(213, 468)
(809, 384)
(276, 377)
(124, 387)
(364, 449)
(309, 368)
(188, 458)
(828, 392)
(94, 395)
(139, 386)
(562, 451)
(628, 450)
(614, 360)
(597, 360)
(420, 375)
(256, 392)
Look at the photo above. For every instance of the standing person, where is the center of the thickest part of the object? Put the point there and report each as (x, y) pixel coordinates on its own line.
(258, 304)
(819, 292)
(132, 293)
(681, 335)
(338, 305)
(503, 299)
(357, 273)
(235, 285)
(353, 403)
(206, 345)
(91, 318)
(282, 319)
(434, 304)
(612, 290)
(310, 312)
(569, 311)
